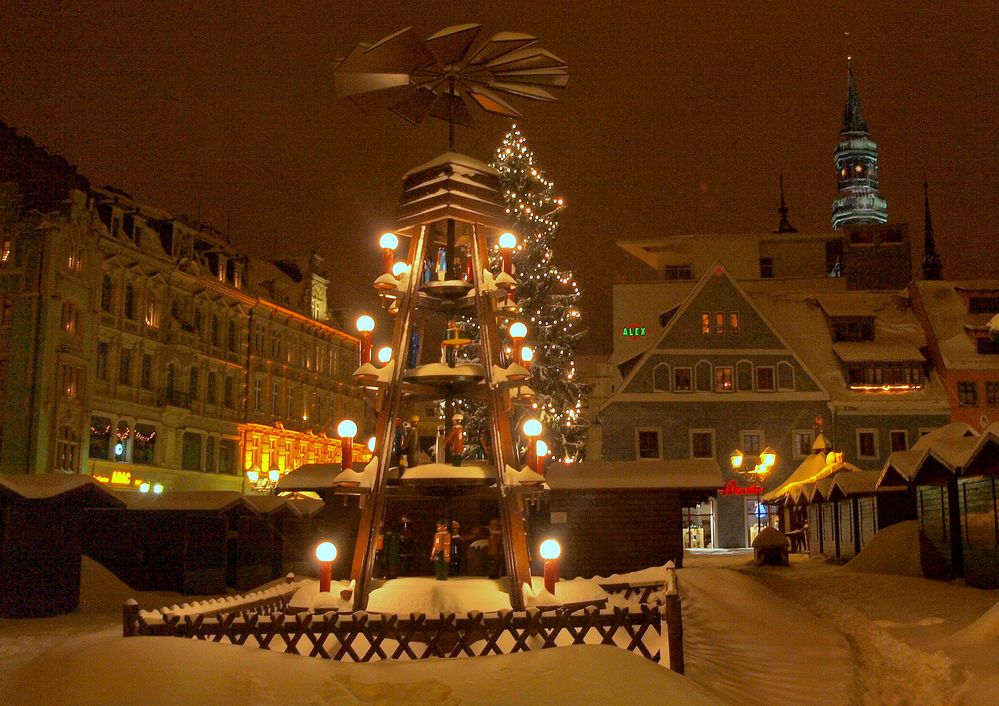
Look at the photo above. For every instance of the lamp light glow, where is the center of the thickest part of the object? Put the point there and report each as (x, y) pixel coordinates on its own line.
(157, 488)
(144, 487)
(736, 458)
(274, 475)
(326, 551)
(550, 549)
(768, 457)
(526, 355)
(384, 354)
(508, 241)
(532, 427)
(346, 429)
(518, 330)
(371, 444)
(389, 241)
(399, 269)
(365, 324)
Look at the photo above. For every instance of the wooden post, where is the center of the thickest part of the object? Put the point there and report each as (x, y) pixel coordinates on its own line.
(674, 632)
(130, 618)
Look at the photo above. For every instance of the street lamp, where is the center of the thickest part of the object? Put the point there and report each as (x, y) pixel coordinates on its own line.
(384, 355)
(365, 325)
(755, 475)
(526, 356)
(326, 553)
(532, 429)
(346, 430)
(550, 551)
(507, 242)
(389, 242)
(518, 332)
(540, 451)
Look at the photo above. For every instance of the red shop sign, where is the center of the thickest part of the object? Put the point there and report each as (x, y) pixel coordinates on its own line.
(732, 489)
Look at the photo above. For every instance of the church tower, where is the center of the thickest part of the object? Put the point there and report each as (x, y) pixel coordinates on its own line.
(859, 201)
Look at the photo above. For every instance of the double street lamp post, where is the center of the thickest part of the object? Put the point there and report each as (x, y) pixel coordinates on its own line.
(756, 474)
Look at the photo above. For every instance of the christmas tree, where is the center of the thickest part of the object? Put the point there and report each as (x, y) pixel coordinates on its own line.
(547, 297)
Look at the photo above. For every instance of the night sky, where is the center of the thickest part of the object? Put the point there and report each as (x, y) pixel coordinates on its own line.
(679, 118)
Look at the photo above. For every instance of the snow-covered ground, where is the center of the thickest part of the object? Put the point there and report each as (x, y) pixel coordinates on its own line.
(811, 633)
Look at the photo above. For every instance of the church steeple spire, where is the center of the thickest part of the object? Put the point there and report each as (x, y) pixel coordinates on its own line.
(785, 225)
(859, 200)
(932, 266)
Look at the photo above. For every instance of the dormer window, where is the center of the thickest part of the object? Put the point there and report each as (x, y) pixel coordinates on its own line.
(860, 328)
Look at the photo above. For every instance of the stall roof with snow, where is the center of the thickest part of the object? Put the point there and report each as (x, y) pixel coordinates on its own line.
(51, 485)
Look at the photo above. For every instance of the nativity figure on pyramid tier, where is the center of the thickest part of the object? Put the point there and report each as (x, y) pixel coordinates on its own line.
(438, 278)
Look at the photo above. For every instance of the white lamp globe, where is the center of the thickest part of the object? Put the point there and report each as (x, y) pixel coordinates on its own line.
(384, 354)
(326, 551)
(346, 429)
(365, 323)
(550, 549)
(541, 448)
(508, 241)
(371, 444)
(532, 427)
(527, 354)
(389, 241)
(399, 269)
(518, 330)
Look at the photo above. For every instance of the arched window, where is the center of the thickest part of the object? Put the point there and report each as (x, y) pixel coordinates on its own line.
(785, 376)
(660, 377)
(744, 375)
(702, 376)
(107, 294)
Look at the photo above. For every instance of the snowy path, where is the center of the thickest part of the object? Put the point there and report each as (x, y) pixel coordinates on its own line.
(751, 646)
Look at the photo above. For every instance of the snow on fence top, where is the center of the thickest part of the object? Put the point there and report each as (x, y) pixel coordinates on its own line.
(223, 604)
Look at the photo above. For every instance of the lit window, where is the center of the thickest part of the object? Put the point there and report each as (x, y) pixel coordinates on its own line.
(720, 323)
(733, 322)
(6, 251)
(723, 378)
(682, 380)
(69, 317)
(70, 381)
(705, 322)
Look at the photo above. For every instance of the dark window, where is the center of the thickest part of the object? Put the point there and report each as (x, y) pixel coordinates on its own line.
(983, 305)
(648, 444)
(146, 376)
(227, 456)
(100, 438)
(744, 375)
(227, 396)
(129, 302)
(750, 442)
(987, 346)
(102, 360)
(210, 454)
(785, 376)
(967, 393)
(765, 378)
(702, 376)
(211, 393)
(766, 267)
(660, 378)
(191, 454)
(861, 329)
(702, 444)
(192, 383)
(216, 334)
(107, 293)
(125, 367)
(230, 338)
(899, 439)
(681, 380)
(867, 444)
(992, 394)
(144, 444)
(802, 443)
(679, 272)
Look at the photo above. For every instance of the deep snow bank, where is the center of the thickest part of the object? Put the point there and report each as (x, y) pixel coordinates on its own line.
(893, 550)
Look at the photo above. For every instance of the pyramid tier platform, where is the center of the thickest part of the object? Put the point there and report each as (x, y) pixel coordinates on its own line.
(440, 374)
(445, 474)
(450, 289)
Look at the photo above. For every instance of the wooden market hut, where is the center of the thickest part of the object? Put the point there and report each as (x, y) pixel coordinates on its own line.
(41, 526)
(863, 509)
(619, 516)
(255, 542)
(823, 516)
(978, 504)
(296, 537)
(176, 541)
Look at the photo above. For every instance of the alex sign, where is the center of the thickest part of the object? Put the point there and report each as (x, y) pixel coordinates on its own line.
(633, 331)
(731, 488)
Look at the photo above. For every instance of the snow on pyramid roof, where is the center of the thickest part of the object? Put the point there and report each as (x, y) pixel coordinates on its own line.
(453, 158)
(806, 470)
(37, 486)
(832, 464)
(697, 473)
(445, 471)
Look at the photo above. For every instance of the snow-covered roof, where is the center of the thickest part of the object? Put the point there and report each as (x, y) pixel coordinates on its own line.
(311, 476)
(305, 507)
(183, 500)
(266, 504)
(806, 471)
(950, 320)
(898, 337)
(698, 473)
(845, 304)
(814, 471)
(49, 485)
(456, 158)
(862, 483)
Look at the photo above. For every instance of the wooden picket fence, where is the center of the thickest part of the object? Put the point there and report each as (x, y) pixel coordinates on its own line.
(264, 621)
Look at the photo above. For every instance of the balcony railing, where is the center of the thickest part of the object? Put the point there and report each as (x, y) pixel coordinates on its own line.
(174, 398)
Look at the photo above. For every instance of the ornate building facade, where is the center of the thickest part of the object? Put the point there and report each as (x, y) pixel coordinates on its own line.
(143, 348)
